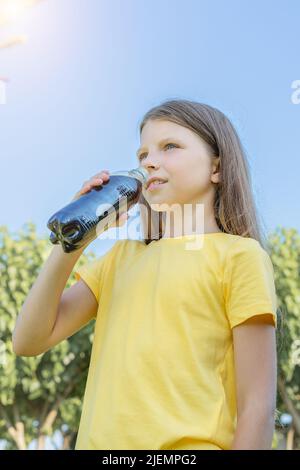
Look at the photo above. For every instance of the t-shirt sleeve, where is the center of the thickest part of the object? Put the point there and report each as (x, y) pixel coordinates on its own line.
(249, 282)
(92, 272)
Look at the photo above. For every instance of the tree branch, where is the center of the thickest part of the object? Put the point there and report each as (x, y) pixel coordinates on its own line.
(289, 404)
(17, 433)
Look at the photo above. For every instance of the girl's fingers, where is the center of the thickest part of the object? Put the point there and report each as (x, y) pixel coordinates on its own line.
(96, 180)
(103, 174)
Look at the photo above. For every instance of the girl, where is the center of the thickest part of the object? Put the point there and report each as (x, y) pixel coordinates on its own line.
(184, 351)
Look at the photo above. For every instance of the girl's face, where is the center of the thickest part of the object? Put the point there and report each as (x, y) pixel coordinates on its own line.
(178, 155)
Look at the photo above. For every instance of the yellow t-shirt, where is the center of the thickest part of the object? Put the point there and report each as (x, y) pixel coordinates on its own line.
(161, 374)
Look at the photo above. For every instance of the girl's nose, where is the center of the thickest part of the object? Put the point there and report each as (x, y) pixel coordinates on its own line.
(150, 162)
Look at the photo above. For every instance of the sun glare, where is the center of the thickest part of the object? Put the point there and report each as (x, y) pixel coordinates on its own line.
(12, 10)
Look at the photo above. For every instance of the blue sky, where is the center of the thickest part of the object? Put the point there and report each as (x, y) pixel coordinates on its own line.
(90, 70)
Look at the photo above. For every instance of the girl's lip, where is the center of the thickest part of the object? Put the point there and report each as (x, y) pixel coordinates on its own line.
(155, 185)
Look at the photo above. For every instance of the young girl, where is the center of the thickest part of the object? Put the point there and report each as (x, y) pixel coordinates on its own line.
(184, 350)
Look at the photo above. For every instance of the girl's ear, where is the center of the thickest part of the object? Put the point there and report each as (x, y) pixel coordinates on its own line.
(215, 175)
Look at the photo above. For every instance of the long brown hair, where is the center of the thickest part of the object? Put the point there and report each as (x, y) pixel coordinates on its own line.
(234, 207)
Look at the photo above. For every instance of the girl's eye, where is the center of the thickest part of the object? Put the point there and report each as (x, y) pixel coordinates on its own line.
(170, 144)
(142, 154)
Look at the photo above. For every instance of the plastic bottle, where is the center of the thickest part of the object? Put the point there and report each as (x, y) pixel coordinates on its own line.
(80, 221)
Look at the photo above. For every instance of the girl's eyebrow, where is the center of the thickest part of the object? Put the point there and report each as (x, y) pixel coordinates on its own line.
(168, 139)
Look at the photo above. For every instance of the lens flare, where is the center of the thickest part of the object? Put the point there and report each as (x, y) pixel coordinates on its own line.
(12, 10)
(13, 41)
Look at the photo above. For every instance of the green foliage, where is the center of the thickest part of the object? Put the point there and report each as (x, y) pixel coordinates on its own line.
(42, 392)
(285, 255)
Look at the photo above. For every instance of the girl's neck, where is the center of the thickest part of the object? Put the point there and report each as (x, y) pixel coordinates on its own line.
(189, 219)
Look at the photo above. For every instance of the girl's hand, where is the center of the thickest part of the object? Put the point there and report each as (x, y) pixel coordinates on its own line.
(97, 180)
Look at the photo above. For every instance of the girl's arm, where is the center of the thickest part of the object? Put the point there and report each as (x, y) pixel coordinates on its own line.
(256, 373)
(50, 314)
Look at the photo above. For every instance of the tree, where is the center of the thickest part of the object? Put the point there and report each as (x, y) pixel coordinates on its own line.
(285, 255)
(41, 394)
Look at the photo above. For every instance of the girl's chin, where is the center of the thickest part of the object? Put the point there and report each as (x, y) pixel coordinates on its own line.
(155, 196)
(159, 198)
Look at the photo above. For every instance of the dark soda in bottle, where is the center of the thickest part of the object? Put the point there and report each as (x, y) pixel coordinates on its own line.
(80, 221)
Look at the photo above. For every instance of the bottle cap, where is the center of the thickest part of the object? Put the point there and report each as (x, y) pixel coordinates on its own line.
(141, 173)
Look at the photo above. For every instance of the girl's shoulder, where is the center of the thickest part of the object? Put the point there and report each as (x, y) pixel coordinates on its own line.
(247, 252)
(231, 245)
(245, 244)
